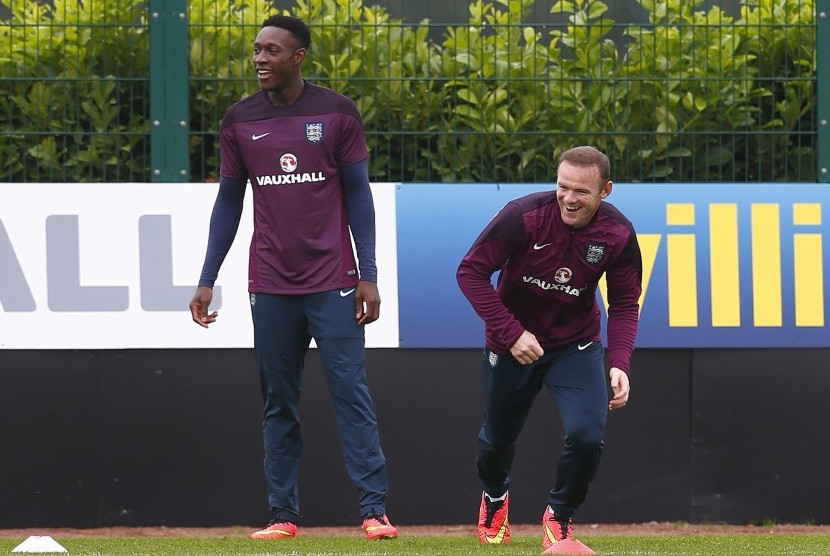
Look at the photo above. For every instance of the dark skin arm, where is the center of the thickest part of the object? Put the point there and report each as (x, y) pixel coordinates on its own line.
(367, 302)
(199, 307)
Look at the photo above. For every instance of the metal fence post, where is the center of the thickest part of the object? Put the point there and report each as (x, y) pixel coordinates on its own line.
(169, 98)
(823, 89)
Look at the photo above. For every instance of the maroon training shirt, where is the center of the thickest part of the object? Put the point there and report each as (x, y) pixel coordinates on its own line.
(292, 155)
(549, 274)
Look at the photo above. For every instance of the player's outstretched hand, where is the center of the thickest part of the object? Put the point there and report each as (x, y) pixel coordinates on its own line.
(620, 387)
(366, 302)
(199, 306)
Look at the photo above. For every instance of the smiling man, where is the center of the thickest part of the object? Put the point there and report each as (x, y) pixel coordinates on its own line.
(542, 329)
(303, 149)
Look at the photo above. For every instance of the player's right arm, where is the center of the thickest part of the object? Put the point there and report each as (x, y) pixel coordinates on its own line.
(224, 223)
(502, 237)
(526, 350)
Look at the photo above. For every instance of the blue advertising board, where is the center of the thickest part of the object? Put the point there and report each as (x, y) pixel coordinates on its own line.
(724, 265)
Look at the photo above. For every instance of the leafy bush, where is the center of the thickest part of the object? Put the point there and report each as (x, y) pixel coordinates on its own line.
(785, 56)
(703, 84)
(221, 71)
(386, 67)
(693, 94)
(69, 118)
(496, 111)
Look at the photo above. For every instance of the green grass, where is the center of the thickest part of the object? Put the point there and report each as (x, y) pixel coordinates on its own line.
(686, 545)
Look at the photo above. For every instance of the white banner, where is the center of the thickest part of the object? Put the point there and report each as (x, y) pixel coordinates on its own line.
(98, 266)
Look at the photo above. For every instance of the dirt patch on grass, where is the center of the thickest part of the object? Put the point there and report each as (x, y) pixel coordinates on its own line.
(627, 529)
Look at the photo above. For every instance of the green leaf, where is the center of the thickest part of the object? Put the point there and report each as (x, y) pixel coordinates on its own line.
(596, 9)
(467, 95)
(563, 6)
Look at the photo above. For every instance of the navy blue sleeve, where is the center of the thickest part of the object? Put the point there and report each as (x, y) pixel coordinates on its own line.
(224, 222)
(360, 208)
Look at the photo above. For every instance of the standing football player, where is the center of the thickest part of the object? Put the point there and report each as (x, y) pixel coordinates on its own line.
(303, 149)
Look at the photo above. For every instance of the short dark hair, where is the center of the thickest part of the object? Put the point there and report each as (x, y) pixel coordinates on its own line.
(588, 156)
(293, 25)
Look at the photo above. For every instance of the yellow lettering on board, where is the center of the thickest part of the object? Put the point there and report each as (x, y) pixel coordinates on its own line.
(809, 267)
(724, 274)
(649, 245)
(682, 266)
(766, 265)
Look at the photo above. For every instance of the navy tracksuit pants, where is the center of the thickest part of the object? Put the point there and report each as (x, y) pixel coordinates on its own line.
(283, 328)
(576, 380)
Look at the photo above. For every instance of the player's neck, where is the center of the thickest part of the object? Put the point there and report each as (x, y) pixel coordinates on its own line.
(287, 95)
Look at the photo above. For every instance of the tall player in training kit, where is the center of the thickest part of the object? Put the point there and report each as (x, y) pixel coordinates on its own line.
(543, 330)
(303, 148)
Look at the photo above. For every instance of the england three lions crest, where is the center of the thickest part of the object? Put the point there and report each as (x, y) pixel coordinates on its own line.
(595, 252)
(314, 131)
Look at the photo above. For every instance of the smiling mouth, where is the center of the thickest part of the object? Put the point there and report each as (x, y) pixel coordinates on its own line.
(261, 72)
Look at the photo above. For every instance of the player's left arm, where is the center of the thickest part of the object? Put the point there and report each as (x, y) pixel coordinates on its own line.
(621, 388)
(360, 208)
(624, 278)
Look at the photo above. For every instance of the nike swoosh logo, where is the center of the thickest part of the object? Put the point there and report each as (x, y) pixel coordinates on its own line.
(549, 534)
(256, 137)
(498, 538)
(580, 347)
(536, 246)
(345, 293)
(271, 532)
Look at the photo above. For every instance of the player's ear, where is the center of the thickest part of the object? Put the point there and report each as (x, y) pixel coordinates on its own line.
(299, 55)
(606, 189)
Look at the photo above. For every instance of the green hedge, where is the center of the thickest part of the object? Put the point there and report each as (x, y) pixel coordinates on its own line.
(694, 94)
(76, 92)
